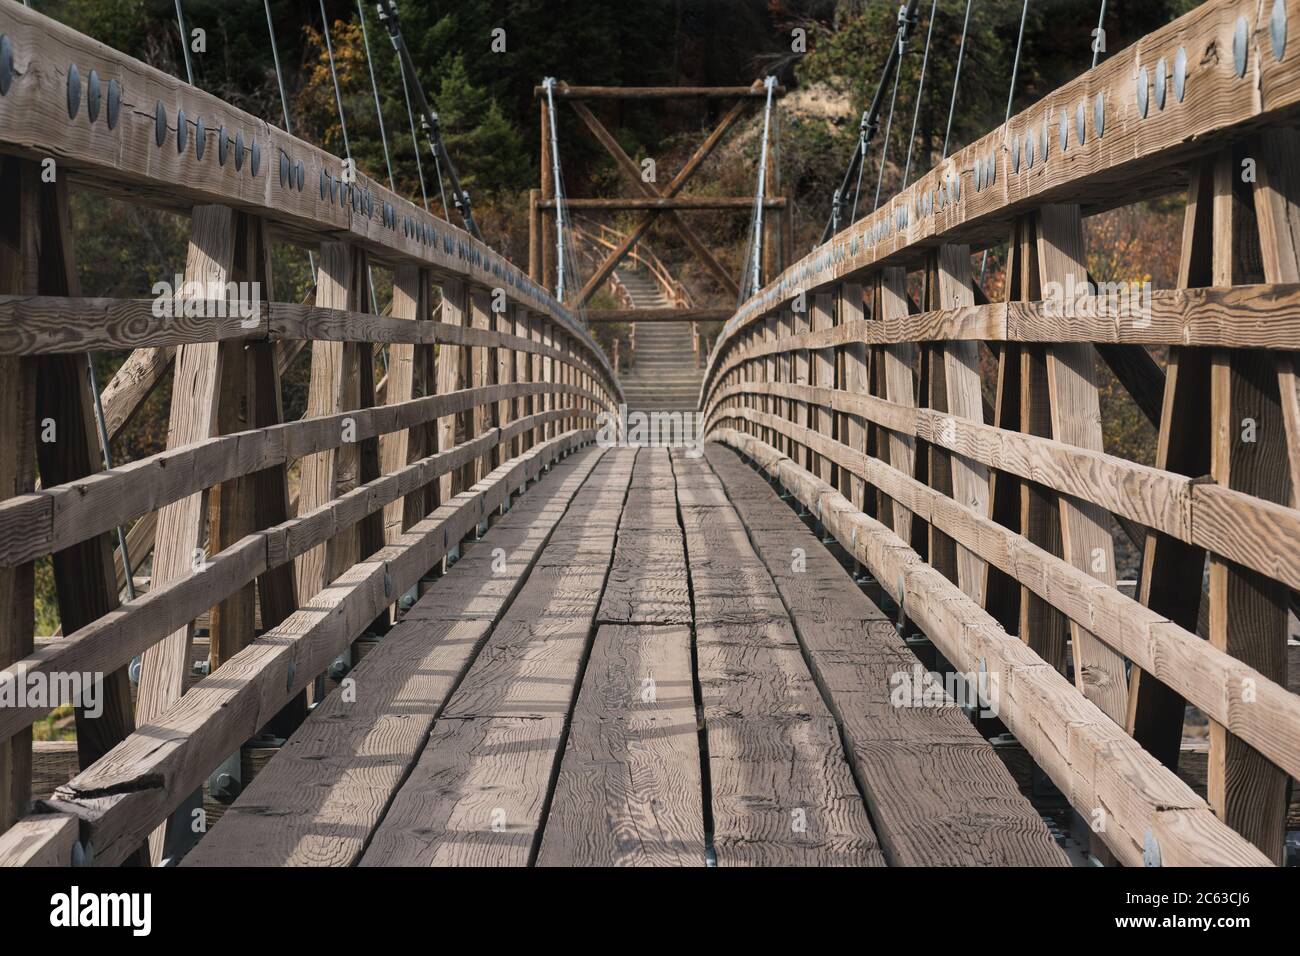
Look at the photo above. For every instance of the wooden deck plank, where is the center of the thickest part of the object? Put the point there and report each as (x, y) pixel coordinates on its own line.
(782, 791)
(783, 795)
(937, 792)
(318, 800)
(478, 792)
(629, 789)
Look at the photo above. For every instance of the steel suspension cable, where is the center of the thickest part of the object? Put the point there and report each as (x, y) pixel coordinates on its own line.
(756, 243)
(920, 89)
(1097, 41)
(284, 102)
(884, 147)
(374, 88)
(338, 95)
(548, 83)
(956, 80)
(1011, 96)
(185, 43)
(415, 139)
(1015, 65)
(347, 149)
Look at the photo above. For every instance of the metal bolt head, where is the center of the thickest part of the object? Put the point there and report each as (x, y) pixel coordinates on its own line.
(1277, 28)
(114, 102)
(1099, 114)
(159, 124)
(200, 138)
(1180, 74)
(1150, 849)
(338, 668)
(92, 96)
(6, 64)
(74, 91)
(1162, 72)
(1142, 96)
(1240, 45)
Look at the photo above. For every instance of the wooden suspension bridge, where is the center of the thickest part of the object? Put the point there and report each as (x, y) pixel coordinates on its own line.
(485, 633)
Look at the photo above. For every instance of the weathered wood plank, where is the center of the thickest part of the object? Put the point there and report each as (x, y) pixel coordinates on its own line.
(1083, 751)
(41, 839)
(782, 790)
(937, 793)
(141, 780)
(477, 794)
(629, 790)
(1247, 612)
(196, 391)
(318, 800)
(1076, 420)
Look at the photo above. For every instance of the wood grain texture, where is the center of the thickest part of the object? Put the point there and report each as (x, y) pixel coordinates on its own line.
(782, 791)
(196, 390)
(629, 789)
(477, 794)
(1212, 684)
(1076, 420)
(140, 781)
(1083, 751)
(937, 793)
(40, 839)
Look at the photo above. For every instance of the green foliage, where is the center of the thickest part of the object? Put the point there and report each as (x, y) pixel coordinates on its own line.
(483, 143)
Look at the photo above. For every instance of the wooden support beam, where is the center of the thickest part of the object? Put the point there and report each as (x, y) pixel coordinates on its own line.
(695, 203)
(898, 362)
(822, 375)
(196, 395)
(702, 152)
(1172, 569)
(970, 479)
(1076, 420)
(83, 574)
(411, 289)
(658, 315)
(1248, 611)
(18, 256)
(633, 174)
(564, 91)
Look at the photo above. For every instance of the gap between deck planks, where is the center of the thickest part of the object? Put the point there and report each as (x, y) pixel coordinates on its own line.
(937, 792)
(317, 802)
(478, 794)
(649, 668)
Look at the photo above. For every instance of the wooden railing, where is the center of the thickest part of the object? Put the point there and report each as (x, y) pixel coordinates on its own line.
(598, 234)
(989, 522)
(476, 404)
